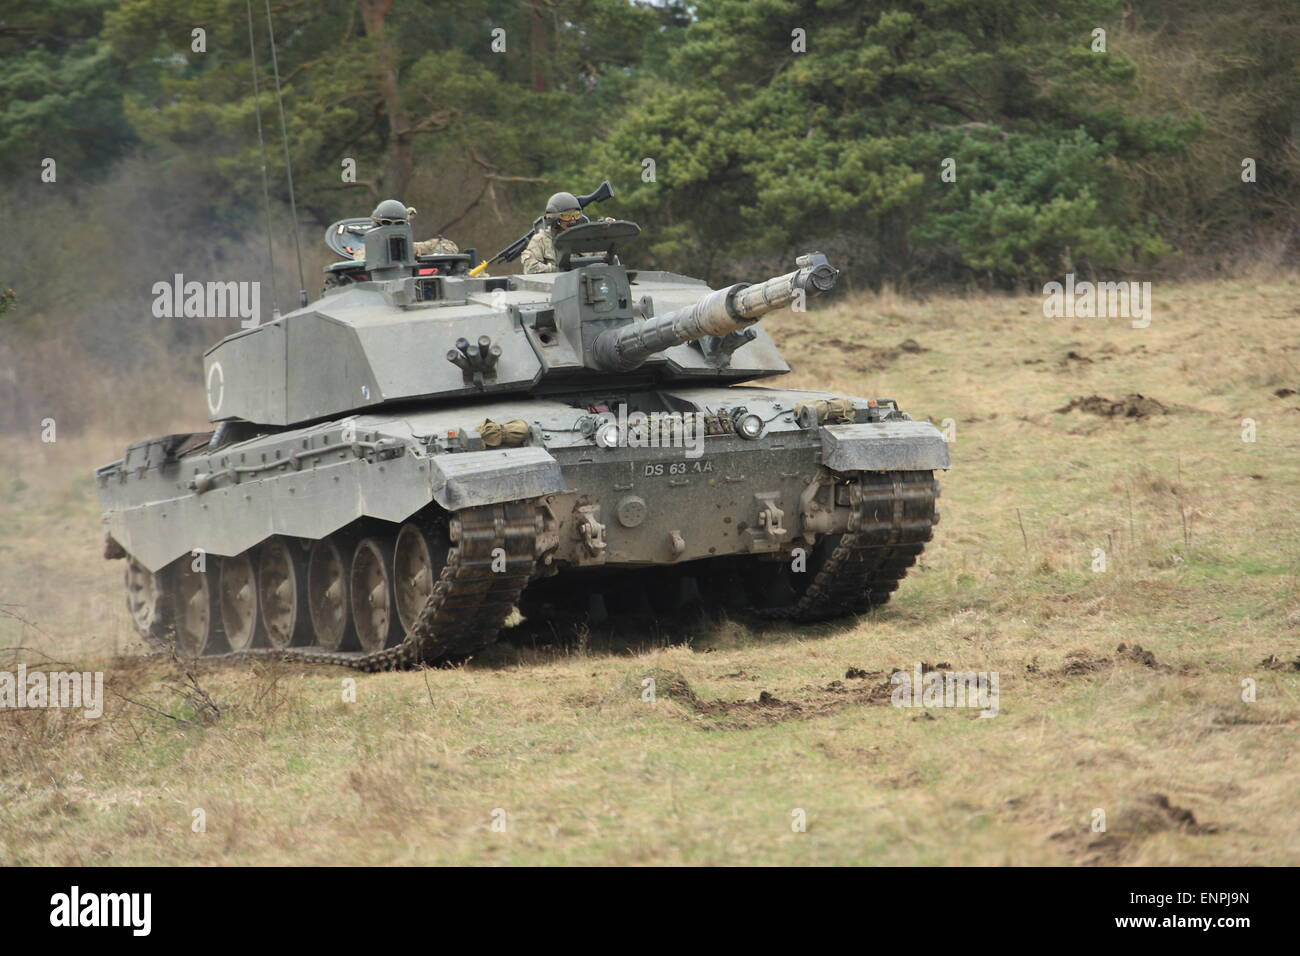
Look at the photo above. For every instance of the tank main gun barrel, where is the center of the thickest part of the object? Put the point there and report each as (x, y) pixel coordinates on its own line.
(727, 310)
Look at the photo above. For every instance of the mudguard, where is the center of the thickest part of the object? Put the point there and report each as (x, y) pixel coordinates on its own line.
(884, 446)
(469, 479)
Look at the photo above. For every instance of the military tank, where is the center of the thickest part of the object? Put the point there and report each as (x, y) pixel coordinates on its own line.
(396, 466)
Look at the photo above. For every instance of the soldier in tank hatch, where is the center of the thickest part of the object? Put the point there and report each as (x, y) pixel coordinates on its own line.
(438, 245)
(390, 211)
(562, 212)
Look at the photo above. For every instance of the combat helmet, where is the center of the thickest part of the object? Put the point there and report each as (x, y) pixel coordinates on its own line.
(390, 211)
(563, 206)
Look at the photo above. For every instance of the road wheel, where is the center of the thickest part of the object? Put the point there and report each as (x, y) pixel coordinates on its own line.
(418, 560)
(328, 594)
(239, 602)
(374, 606)
(197, 619)
(282, 593)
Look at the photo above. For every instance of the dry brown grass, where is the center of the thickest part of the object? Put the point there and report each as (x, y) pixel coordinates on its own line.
(1202, 534)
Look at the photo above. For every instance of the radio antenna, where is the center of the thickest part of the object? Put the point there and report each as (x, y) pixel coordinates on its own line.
(261, 142)
(284, 135)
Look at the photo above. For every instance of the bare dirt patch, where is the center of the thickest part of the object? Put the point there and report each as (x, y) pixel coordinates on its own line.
(1074, 358)
(1246, 715)
(1132, 405)
(1080, 663)
(877, 358)
(768, 709)
(1129, 825)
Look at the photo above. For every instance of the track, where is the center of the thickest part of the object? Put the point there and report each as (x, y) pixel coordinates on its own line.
(467, 606)
(892, 517)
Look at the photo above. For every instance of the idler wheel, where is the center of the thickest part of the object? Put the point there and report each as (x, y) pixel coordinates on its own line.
(144, 600)
(282, 593)
(418, 560)
(374, 606)
(328, 592)
(239, 602)
(197, 619)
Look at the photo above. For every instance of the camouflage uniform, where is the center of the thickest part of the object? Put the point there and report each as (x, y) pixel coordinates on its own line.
(539, 255)
(437, 246)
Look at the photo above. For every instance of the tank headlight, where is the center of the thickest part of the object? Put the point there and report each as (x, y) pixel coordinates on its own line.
(750, 426)
(607, 436)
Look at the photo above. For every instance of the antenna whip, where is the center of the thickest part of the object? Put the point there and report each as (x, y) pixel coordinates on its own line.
(284, 135)
(261, 142)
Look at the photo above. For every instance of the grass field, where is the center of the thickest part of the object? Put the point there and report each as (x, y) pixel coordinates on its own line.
(753, 723)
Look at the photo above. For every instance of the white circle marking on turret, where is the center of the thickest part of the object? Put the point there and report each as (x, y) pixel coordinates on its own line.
(219, 389)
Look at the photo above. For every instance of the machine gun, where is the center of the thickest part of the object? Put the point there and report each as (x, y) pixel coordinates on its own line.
(513, 251)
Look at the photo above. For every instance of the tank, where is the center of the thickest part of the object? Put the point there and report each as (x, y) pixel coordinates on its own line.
(397, 466)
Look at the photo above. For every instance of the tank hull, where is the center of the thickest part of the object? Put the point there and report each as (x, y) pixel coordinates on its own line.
(248, 546)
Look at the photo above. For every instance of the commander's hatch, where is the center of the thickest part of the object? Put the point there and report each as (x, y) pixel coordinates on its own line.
(593, 242)
(347, 237)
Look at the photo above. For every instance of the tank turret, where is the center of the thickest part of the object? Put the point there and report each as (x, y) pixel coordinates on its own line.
(396, 327)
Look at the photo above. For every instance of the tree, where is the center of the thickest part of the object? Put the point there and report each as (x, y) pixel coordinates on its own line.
(61, 91)
(387, 84)
(761, 147)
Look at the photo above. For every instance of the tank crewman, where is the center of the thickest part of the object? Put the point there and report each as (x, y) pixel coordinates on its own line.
(439, 245)
(562, 212)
